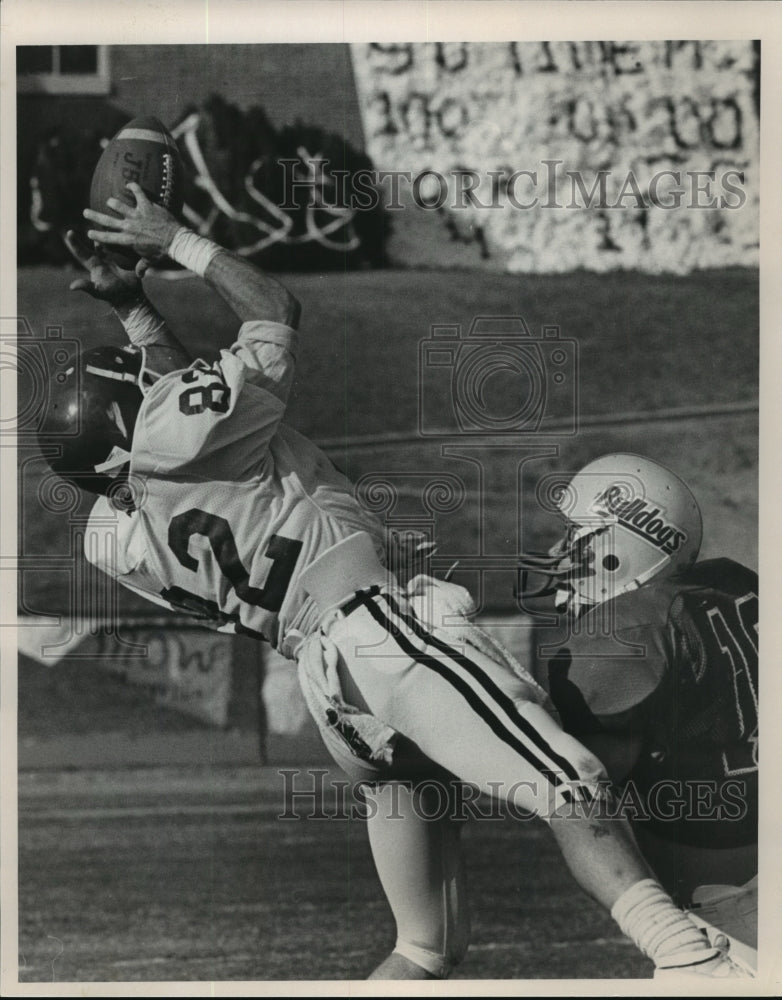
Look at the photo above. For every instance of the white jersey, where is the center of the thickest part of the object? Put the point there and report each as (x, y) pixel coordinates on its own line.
(234, 505)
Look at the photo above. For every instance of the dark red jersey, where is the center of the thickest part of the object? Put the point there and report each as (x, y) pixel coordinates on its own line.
(669, 674)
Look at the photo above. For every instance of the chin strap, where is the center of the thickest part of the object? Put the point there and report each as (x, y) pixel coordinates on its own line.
(115, 463)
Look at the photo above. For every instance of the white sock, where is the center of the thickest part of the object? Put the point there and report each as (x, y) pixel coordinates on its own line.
(647, 915)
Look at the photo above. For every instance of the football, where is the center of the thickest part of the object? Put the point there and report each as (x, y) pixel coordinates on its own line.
(143, 151)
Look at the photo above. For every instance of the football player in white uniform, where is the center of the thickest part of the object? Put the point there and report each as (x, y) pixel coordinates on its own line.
(243, 522)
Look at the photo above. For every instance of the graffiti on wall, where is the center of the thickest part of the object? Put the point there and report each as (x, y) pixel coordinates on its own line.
(184, 668)
(269, 222)
(269, 194)
(559, 155)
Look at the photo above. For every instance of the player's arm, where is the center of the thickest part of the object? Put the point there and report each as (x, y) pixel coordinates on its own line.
(123, 291)
(154, 233)
(615, 745)
(250, 292)
(605, 696)
(255, 374)
(617, 754)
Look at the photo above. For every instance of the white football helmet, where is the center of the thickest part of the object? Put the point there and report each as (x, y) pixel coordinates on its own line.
(629, 520)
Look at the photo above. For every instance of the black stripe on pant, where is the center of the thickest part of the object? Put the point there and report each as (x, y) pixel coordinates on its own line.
(490, 687)
(471, 697)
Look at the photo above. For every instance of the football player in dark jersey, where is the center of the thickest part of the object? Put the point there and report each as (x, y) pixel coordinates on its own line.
(654, 667)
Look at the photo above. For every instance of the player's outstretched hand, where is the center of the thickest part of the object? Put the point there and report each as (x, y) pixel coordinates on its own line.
(146, 227)
(107, 280)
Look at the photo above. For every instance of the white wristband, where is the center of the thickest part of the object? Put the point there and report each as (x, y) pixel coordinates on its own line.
(143, 325)
(192, 251)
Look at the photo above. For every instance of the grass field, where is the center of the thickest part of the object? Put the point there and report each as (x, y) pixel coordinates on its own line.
(164, 875)
(646, 342)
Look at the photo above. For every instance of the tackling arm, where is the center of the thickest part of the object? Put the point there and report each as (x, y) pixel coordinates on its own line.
(605, 696)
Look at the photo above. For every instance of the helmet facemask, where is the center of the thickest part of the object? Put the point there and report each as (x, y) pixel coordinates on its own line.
(569, 569)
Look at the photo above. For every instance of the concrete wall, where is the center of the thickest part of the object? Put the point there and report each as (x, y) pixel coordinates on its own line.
(313, 83)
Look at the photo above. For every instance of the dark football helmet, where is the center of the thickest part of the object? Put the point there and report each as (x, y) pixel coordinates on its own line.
(87, 432)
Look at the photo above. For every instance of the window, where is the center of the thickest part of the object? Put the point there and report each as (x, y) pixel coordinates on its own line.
(62, 69)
